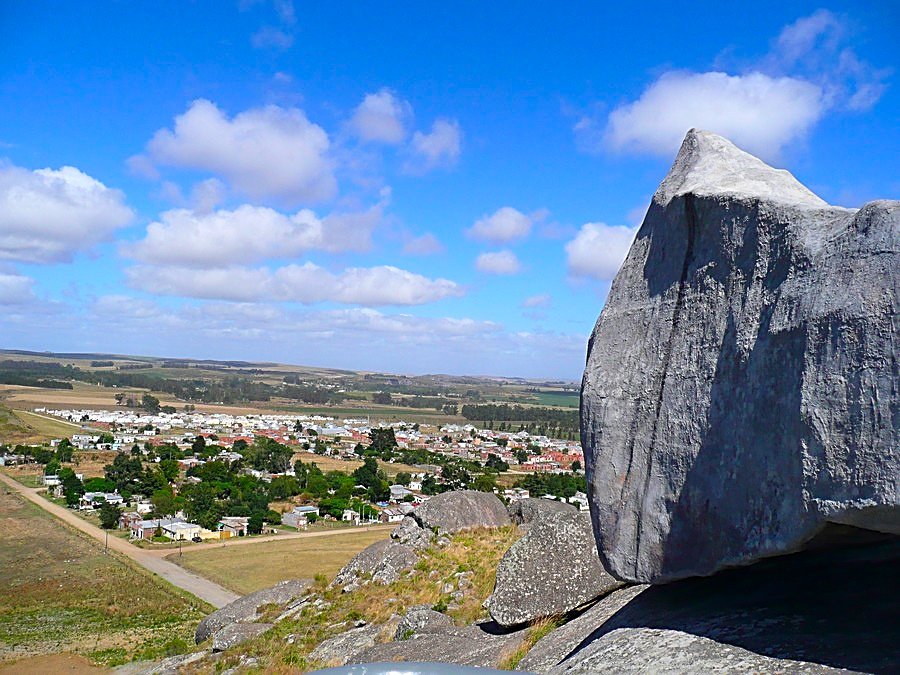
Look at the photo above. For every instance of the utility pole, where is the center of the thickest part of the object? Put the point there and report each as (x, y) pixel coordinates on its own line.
(106, 543)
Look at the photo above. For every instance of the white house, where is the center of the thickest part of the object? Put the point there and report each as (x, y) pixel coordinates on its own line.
(181, 531)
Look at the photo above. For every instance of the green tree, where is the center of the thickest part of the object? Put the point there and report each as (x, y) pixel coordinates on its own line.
(576, 465)
(150, 403)
(403, 478)
(64, 450)
(163, 501)
(198, 447)
(109, 516)
(169, 469)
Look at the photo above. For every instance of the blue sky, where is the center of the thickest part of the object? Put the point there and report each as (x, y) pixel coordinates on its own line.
(399, 187)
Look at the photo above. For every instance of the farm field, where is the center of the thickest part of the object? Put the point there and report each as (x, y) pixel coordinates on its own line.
(60, 593)
(244, 568)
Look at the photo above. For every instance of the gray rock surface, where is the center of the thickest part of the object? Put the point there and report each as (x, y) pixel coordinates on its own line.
(815, 611)
(470, 646)
(338, 650)
(419, 620)
(410, 533)
(653, 650)
(244, 609)
(556, 646)
(235, 634)
(383, 560)
(552, 570)
(742, 380)
(526, 511)
(452, 512)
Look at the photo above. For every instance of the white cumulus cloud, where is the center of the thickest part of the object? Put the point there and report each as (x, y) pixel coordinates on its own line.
(48, 214)
(498, 262)
(307, 283)
(757, 112)
(269, 152)
(426, 244)
(16, 289)
(504, 225)
(381, 118)
(598, 250)
(247, 234)
(440, 147)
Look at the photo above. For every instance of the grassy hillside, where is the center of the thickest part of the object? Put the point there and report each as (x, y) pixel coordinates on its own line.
(60, 593)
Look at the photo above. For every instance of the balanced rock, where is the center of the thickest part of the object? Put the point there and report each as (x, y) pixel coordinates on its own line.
(382, 562)
(453, 512)
(244, 609)
(741, 383)
(550, 571)
(526, 511)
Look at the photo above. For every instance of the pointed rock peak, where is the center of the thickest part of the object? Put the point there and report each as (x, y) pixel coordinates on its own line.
(708, 164)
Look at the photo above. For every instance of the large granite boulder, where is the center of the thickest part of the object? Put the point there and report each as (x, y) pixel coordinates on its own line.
(741, 384)
(381, 562)
(453, 512)
(419, 620)
(551, 649)
(526, 511)
(552, 570)
(244, 609)
(817, 611)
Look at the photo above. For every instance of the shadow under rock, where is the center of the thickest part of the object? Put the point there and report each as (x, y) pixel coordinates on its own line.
(835, 606)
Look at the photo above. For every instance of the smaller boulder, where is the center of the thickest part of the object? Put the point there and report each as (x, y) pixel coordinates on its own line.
(452, 512)
(338, 650)
(237, 633)
(410, 533)
(552, 570)
(244, 609)
(419, 620)
(383, 560)
(526, 511)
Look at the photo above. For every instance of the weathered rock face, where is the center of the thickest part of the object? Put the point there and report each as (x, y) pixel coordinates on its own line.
(244, 608)
(452, 512)
(551, 570)
(819, 611)
(338, 650)
(383, 560)
(742, 381)
(553, 648)
(236, 634)
(419, 620)
(469, 646)
(410, 533)
(526, 511)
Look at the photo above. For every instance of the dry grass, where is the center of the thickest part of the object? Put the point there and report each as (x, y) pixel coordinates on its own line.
(326, 464)
(245, 568)
(539, 629)
(476, 551)
(60, 593)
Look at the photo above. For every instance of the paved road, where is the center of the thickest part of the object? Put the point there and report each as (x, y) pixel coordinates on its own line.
(204, 589)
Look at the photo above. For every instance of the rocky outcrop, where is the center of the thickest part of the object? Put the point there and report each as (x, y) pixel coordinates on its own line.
(244, 609)
(553, 648)
(410, 533)
(419, 620)
(550, 571)
(811, 612)
(382, 562)
(340, 649)
(477, 645)
(453, 512)
(647, 650)
(741, 384)
(526, 511)
(236, 634)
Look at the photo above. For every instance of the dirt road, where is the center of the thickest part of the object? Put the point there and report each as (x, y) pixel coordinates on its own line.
(204, 589)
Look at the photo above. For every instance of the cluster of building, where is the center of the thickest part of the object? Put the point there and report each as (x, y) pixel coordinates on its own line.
(340, 437)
